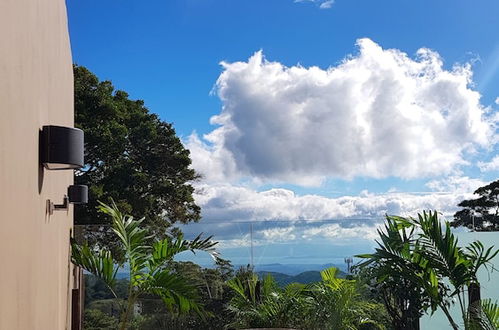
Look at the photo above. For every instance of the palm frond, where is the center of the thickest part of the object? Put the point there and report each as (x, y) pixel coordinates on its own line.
(100, 263)
(132, 237)
(176, 292)
(479, 257)
(164, 250)
(491, 311)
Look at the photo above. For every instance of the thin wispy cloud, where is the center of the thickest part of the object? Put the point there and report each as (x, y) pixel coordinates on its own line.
(491, 65)
(326, 4)
(322, 4)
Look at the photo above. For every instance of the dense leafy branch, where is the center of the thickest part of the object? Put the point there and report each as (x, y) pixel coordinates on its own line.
(131, 156)
(482, 213)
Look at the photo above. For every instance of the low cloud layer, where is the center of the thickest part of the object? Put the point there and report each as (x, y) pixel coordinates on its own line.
(378, 113)
(228, 203)
(281, 216)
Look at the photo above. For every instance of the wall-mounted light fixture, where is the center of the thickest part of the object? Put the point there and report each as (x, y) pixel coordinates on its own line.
(62, 147)
(77, 194)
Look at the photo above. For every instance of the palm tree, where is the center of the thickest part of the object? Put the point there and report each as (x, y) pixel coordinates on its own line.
(261, 303)
(337, 304)
(424, 254)
(460, 266)
(399, 278)
(149, 270)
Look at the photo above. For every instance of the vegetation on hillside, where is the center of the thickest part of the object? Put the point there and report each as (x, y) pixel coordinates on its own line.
(417, 268)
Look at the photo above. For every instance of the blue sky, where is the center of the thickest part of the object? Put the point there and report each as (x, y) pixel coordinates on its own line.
(168, 52)
(331, 150)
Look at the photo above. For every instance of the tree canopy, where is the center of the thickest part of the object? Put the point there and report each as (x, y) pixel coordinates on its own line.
(131, 156)
(482, 213)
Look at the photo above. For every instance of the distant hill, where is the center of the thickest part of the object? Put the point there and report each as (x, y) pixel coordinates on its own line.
(294, 269)
(304, 278)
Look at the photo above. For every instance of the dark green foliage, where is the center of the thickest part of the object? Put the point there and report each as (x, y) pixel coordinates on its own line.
(482, 213)
(304, 278)
(95, 319)
(110, 307)
(96, 289)
(331, 303)
(131, 156)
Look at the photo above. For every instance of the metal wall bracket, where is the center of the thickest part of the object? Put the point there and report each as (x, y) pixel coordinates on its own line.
(51, 207)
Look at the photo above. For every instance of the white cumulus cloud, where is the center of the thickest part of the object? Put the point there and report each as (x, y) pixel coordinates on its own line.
(378, 113)
(456, 184)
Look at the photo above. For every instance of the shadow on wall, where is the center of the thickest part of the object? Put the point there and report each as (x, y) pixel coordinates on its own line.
(40, 166)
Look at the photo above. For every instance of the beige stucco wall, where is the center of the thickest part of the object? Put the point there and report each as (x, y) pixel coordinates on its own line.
(36, 88)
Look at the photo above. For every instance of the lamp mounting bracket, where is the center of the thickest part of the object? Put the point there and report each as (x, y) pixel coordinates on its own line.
(51, 207)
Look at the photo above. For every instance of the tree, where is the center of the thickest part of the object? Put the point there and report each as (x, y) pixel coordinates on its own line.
(131, 156)
(148, 264)
(482, 213)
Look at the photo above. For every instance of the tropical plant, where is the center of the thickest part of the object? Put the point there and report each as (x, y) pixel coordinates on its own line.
(337, 304)
(427, 256)
(332, 303)
(399, 278)
(439, 247)
(148, 264)
(261, 303)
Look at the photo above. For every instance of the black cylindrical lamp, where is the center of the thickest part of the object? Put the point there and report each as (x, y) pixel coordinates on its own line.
(78, 194)
(62, 147)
